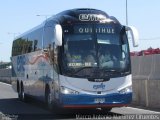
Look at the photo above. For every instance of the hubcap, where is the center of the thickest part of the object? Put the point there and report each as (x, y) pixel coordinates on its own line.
(49, 99)
(22, 95)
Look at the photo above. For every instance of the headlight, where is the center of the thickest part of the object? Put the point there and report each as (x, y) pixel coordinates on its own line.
(126, 90)
(65, 90)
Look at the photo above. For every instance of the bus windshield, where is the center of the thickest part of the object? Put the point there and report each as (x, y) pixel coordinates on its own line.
(95, 49)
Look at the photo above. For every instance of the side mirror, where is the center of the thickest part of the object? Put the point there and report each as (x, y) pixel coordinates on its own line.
(58, 35)
(134, 34)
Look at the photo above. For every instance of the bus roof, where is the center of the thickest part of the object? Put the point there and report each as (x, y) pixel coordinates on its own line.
(83, 15)
(76, 16)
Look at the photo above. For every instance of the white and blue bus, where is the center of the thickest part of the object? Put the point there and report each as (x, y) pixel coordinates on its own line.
(79, 58)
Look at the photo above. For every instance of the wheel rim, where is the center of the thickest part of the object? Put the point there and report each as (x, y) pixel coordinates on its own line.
(22, 95)
(49, 99)
(19, 95)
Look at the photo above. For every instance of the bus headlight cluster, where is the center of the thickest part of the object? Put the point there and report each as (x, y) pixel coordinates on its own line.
(126, 90)
(65, 90)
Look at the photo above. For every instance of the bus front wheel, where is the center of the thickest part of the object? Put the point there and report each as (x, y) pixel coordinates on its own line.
(48, 98)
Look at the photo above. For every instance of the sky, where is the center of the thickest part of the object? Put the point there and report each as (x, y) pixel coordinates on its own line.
(18, 16)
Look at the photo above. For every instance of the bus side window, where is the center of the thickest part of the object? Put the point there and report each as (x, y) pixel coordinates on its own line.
(35, 39)
(35, 45)
(24, 47)
(29, 48)
(48, 35)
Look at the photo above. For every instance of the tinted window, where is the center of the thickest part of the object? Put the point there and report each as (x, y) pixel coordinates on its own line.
(36, 38)
(48, 34)
(28, 43)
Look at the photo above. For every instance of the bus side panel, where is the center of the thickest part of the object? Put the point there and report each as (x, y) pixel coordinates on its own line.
(34, 70)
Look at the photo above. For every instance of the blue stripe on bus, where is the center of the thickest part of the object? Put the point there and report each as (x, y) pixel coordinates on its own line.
(115, 98)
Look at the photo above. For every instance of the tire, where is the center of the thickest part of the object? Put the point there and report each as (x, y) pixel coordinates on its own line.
(21, 94)
(19, 90)
(48, 98)
(51, 105)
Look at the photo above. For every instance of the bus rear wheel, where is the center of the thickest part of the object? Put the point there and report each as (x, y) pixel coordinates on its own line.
(18, 90)
(23, 97)
(21, 93)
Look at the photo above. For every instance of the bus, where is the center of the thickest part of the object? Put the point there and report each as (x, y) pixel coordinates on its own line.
(76, 59)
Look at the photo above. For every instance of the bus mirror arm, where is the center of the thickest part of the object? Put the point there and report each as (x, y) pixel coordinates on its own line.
(58, 35)
(134, 34)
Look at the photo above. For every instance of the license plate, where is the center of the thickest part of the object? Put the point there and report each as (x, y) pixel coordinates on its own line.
(99, 100)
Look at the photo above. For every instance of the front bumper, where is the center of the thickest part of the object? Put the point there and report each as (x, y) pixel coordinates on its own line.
(88, 101)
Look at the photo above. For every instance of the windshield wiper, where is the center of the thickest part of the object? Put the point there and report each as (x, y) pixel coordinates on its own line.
(81, 76)
(80, 70)
(114, 71)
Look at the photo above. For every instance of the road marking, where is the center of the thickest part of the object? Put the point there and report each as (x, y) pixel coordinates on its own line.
(143, 110)
(8, 117)
(5, 83)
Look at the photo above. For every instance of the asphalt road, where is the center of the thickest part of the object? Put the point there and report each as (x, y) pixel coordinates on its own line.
(13, 109)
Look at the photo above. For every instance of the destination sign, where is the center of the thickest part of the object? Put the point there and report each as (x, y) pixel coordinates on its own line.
(88, 29)
(97, 30)
(92, 29)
